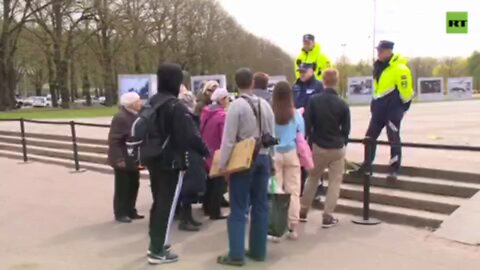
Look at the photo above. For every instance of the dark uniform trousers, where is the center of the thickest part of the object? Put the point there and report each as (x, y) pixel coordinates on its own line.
(166, 186)
(126, 191)
(387, 112)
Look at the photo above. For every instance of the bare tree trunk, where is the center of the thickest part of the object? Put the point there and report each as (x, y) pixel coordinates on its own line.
(61, 64)
(73, 81)
(7, 78)
(86, 87)
(51, 80)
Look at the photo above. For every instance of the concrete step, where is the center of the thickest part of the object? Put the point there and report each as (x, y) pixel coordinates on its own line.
(391, 214)
(405, 199)
(451, 174)
(420, 185)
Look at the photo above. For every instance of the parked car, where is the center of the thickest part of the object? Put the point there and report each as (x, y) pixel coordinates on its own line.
(41, 102)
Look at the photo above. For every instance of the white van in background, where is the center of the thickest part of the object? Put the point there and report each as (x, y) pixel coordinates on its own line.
(41, 102)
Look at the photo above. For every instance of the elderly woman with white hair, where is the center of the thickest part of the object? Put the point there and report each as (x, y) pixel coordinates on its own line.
(126, 170)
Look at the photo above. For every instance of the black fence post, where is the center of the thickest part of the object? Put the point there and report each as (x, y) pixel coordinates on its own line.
(24, 140)
(75, 148)
(367, 177)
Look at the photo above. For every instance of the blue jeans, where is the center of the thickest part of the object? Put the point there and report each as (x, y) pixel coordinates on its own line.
(249, 188)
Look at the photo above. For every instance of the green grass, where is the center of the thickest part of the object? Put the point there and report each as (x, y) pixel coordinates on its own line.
(56, 113)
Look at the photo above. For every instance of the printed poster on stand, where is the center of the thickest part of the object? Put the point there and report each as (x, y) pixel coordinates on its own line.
(430, 89)
(145, 85)
(197, 82)
(460, 88)
(360, 89)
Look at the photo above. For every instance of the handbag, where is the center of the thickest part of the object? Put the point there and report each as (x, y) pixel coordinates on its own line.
(304, 151)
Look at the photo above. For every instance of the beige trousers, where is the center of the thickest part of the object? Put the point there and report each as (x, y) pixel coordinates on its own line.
(334, 160)
(288, 173)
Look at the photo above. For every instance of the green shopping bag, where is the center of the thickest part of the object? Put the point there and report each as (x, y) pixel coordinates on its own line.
(278, 211)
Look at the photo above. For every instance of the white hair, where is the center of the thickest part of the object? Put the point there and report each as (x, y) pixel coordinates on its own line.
(128, 99)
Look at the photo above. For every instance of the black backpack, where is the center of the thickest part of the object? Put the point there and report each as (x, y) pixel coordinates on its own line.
(147, 140)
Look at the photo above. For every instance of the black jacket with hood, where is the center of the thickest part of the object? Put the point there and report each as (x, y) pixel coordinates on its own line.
(174, 119)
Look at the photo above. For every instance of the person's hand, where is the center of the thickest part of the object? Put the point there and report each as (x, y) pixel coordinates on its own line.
(222, 171)
(121, 164)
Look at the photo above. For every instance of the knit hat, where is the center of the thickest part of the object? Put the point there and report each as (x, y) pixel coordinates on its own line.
(129, 98)
(219, 94)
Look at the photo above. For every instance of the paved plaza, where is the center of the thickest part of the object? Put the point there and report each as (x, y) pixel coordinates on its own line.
(51, 219)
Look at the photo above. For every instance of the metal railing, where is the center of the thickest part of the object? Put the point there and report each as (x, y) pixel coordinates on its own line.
(368, 143)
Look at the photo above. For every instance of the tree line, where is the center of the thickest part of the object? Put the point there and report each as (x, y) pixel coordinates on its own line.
(76, 46)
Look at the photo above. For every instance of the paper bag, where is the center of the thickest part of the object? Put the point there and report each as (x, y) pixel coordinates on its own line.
(240, 160)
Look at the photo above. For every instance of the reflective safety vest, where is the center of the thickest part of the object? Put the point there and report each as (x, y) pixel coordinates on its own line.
(396, 76)
(316, 57)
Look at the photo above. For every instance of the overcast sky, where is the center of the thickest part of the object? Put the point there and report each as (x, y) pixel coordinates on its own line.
(418, 27)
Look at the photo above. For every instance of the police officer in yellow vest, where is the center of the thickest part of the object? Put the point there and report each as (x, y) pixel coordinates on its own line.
(311, 54)
(392, 97)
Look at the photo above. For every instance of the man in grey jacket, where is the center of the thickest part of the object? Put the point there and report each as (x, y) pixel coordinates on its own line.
(248, 188)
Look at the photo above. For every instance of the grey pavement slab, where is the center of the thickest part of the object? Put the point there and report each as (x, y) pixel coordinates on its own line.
(464, 224)
(51, 219)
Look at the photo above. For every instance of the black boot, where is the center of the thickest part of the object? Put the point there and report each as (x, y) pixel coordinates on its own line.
(185, 224)
(190, 216)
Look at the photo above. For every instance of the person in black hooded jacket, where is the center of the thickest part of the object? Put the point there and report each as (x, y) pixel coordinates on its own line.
(174, 120)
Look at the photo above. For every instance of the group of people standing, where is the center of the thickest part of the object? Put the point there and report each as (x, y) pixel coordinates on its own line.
(196, 127)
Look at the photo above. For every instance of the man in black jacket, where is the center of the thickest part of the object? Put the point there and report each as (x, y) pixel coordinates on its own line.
(327, 124)
(174, 120)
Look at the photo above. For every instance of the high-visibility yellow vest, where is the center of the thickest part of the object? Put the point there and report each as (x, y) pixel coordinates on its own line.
(315, 56)
(396, 76)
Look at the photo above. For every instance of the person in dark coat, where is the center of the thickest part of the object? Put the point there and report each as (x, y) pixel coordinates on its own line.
(194, 181)
(125, 168)
(174, 121)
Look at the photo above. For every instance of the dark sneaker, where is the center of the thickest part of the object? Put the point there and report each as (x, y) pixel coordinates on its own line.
(124, 219)
(226, 260)
(253, 258)
(136, 216)
(393, 176)
(167, 248)
(358, 172)
(329, 222)
(303, 215)
(166, 257)
(188, 227)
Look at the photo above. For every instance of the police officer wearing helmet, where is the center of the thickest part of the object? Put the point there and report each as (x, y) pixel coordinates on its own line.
(311, 54)
(392, 96)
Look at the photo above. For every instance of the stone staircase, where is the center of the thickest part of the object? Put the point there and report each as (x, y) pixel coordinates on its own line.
(420, 197)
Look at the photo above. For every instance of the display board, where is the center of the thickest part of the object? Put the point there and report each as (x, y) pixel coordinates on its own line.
(145, 85)
(460, 88)
(360, 89)
(197, 82)
(273, 80)
(430, 89)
